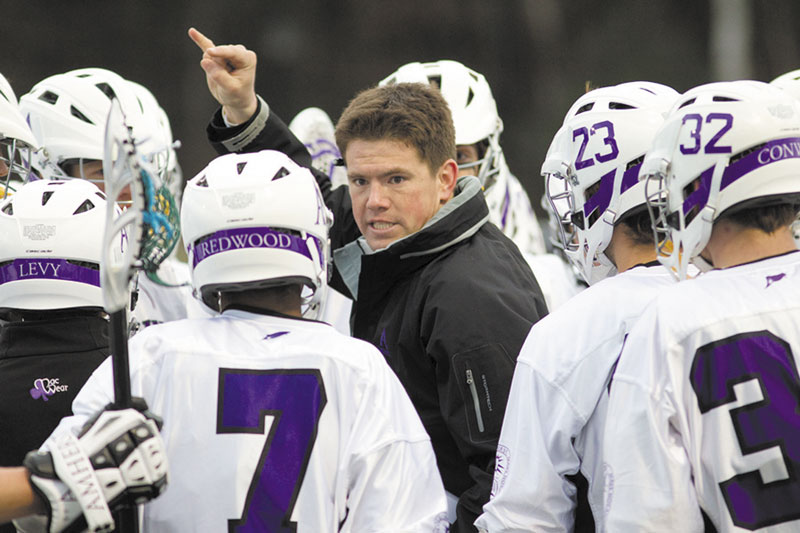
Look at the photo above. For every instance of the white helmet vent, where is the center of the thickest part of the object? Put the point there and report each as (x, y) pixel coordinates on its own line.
(585, 108)
(690, 101)
(620, 106)
(80, 116)
(8, 209)
(84, 207)
(239, 168)
(202, 182)
(724, 99)
(109, 92)
(283, 171)
(46, 196)
(49, 97)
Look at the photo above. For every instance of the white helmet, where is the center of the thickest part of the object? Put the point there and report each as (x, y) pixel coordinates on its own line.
(68, 112)
(723, 146)
(472, 105)
(51, 235)
(314, 128)
(255, 220)
(592, 167)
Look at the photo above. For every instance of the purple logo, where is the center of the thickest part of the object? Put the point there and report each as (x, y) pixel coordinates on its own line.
(774, 279)
(382, 344)
(45, 387)
(275, 335)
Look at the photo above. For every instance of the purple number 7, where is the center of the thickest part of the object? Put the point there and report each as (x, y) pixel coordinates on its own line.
(771, 422)
(296, 399)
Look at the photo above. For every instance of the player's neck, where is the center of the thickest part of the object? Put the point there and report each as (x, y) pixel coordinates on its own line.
(625, 253)
(279, 300)
(731, 244)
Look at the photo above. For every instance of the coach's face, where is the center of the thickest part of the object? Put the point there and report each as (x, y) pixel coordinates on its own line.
(393, 191)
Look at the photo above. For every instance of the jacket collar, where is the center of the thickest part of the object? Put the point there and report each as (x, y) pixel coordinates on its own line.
(457, 220)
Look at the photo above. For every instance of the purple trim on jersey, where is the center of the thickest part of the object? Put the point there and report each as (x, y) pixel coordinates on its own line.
(630, 178)
(777, 150)
(602, 197)
(506, 206)
(699, 197)
(61, 269)
(245, 238)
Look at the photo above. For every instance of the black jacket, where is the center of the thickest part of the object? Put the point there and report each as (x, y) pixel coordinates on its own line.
(448, 306)
(43, 365)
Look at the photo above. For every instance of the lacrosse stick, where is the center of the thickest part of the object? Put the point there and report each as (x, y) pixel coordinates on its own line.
(136, 239)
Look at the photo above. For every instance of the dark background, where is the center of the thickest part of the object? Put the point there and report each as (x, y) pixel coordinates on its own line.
(536, 54)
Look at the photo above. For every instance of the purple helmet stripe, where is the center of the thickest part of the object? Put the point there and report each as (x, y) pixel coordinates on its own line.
(602, 197)
(245, 238)
(771, 152)
(44, 268)
(699, 197)
(630, 178)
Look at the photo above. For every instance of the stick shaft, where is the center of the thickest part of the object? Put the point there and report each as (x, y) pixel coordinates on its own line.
(127, 519)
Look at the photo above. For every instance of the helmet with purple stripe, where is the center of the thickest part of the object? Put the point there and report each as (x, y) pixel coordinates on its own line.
(592, 167)
(51, 236)
(725, 146)
(255, 220)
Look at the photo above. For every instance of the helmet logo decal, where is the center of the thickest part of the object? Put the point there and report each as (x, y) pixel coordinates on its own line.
(242, 238)
(60, 269)
(39, 232)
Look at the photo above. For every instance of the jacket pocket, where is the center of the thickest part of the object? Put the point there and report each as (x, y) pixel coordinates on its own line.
(483, 377)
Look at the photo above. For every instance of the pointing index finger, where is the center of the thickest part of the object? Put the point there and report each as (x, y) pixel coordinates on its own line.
(203, 42)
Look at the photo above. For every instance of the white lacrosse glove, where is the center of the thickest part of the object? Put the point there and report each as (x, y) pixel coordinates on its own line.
(117, 460)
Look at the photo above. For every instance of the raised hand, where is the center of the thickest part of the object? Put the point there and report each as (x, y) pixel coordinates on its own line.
(231, 76)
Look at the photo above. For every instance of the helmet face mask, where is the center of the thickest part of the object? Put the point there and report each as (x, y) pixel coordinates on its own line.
(724, 146)
(255, 221)
(592, 167)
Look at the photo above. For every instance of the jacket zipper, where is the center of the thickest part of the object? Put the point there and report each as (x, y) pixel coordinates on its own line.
(474, 390)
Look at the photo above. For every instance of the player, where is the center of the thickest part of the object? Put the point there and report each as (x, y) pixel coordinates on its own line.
(306, 429)
(55, 332)
(554, 421)
(68, 114)
(75, 484)
(703, 409)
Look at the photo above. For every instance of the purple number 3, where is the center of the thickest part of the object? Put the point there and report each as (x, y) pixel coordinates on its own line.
(772, 422)
(296, 399)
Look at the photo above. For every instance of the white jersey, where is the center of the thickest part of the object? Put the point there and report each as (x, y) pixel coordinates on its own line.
(555, 277)
(553, 425)
(705, 406)
(156, 303)
(510, 210)
(271, 421)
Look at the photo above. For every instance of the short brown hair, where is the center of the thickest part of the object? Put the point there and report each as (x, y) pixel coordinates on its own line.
(768, 218)
(413, 113)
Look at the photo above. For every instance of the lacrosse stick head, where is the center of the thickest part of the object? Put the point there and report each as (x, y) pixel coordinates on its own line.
(150, 226)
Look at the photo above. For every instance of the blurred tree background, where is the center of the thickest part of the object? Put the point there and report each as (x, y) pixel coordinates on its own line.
(538, 55)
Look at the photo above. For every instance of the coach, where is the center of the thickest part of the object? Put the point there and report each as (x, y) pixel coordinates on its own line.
(442, 293)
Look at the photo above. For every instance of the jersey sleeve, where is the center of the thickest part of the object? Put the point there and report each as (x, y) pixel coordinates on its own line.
(393, 483)
(648, 477)
(534, 454)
